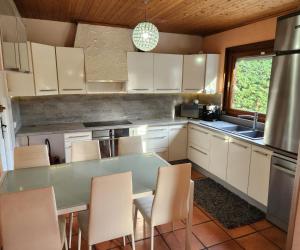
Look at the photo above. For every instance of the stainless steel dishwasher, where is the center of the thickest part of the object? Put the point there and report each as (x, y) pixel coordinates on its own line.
(280, 190)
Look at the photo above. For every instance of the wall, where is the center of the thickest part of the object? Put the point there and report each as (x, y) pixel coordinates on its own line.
(63, 34)
(217, 43)
(90, 108)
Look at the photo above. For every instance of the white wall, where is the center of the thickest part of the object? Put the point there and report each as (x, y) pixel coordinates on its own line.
(63, 34)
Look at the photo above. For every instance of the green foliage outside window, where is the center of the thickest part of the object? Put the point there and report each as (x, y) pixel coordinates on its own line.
(251, 88)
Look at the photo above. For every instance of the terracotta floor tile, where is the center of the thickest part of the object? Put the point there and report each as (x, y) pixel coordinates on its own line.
(118, 243)
(256, 242)
(228, 245)
(237, 232)
(159, 244)
(176, 240)
(261, 225)
(199, 216)
(210, 234)
(166, 228)
(197, 175)
(275, 235)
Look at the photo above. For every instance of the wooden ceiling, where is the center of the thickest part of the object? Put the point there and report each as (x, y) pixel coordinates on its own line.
(199, 17)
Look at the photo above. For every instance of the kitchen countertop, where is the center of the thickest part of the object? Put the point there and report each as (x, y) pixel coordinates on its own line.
(216, 126)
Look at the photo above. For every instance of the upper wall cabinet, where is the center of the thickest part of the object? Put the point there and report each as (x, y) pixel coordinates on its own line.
(167, 73)
(193, 73)
(200, 73)
(44, 67)
(140, 72)
(70, 70)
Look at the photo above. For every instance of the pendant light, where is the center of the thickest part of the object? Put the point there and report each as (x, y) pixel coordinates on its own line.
(145, 35)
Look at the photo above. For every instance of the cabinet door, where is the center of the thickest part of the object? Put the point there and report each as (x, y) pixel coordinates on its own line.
(177, 142)
(199, 156)
(167, 73)
(70, 70)
(199, 137)
(193, 73)
(211, 73)
(218, 155)
(44, 66)
(239, 156)
(140, 72)
(20, 84)
(259, 176)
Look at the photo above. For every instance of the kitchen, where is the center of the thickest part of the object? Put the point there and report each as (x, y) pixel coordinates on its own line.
(208, 93)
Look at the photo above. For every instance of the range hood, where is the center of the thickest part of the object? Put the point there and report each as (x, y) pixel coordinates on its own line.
(105, 53)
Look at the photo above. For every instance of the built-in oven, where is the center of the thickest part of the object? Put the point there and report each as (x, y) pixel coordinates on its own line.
(281, 185)
(108, 140)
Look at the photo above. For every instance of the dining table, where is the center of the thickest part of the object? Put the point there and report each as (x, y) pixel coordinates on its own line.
(72, 181)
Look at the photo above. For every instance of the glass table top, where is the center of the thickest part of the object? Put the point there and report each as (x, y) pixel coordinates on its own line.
(72, 181)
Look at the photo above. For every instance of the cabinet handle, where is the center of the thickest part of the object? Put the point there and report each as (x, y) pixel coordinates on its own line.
(45, 90)
(220, 138)
(71, 89)
(239, 145)
(179, 128)
(198, 150)
(78, 136)
(193, 89)
(140, 89)
(159, 129)
(280, 168)
(167, 89)
(206, 133)
(156, 138)
(261, 153)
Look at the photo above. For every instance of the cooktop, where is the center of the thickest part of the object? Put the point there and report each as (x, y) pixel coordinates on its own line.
(106, 123)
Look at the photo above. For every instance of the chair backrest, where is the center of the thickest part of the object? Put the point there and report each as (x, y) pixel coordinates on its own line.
(31, 156)
(171, 196)
(85, 151)
(29, 220)
(110, 207)
(130, 145)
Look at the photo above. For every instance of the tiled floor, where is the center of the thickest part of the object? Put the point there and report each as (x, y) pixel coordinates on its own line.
(208, 234)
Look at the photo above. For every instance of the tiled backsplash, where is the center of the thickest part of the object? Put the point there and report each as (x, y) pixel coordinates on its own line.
(87, 108)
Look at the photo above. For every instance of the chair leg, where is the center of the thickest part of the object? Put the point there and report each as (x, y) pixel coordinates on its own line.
(173, 226)
(66, 243)
(135, 216)
(124, 241)
(79, 239)
(90, 247)
(132, 241)
(70, 230)
(152, 237)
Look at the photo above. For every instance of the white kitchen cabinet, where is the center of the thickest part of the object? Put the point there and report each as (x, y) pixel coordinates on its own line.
(44, 67)
(259, 177)
(10, 55)
(198, 155)
(20, 84)
(239, 156)
(70, 70)
(199, 136)
(69, 138)
(193, 73)
(177, 142)
(218, 155)
(140, 72)
(211, 73)
(167, 73)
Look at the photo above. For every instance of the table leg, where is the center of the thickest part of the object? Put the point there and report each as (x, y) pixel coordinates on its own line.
(189, 221)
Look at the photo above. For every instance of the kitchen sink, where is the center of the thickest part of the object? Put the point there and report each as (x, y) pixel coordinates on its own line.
(236, 128)
(255, 135)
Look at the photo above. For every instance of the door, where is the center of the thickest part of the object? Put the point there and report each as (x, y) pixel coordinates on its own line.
(140, 72)
(167, 73)
(193, 73)
(239, 155)
(218, 155)
(70, 70)
(44, 67)
(177, 142)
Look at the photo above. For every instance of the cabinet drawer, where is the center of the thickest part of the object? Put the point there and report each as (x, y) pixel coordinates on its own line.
(78, 136)
(157, 131)
(199, 136)
(198, 156)
(156, 141)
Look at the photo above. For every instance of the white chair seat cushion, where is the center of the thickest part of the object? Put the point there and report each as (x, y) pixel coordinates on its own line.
(62, 228)
(144, 205)
(83, 222)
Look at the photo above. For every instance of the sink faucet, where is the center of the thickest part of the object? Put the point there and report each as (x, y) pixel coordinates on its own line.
(254, 117)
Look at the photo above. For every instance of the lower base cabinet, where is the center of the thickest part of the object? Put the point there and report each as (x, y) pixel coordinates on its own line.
(239, 155)
(259, 176)
(177, 142)
(199, 156)
(218, 155)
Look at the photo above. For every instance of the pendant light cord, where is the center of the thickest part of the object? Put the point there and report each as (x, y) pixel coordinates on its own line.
(146, 3)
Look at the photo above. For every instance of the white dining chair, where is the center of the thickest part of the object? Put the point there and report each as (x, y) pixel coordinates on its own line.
(171, 200)
(130, 145)
(29, 221)
(85, 151)
(31, 156)
(110, 211)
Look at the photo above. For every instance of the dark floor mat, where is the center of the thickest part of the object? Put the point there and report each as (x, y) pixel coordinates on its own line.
(228, 208)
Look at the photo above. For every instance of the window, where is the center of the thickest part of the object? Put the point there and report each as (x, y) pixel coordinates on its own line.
(247, 78)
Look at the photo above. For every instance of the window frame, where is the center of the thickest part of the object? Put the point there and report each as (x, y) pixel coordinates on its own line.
(232, 54)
